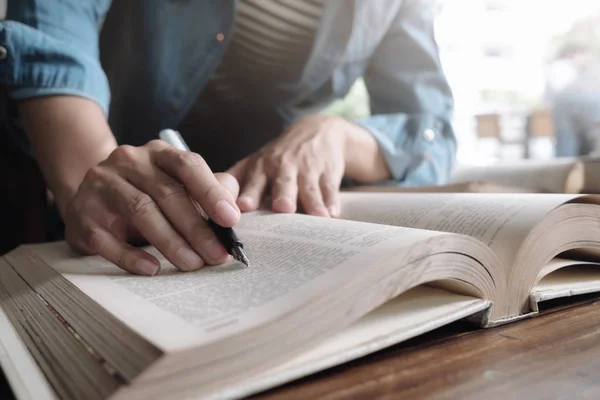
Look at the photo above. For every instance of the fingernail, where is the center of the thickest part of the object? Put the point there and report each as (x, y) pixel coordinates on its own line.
(334, 211)
(227, 213)
(320, 211)
(215, 249)
(247, 201)
(146, 267)
(283, 205)
(190, 259)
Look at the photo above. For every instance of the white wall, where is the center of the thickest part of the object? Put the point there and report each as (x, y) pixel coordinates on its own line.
(2, 8)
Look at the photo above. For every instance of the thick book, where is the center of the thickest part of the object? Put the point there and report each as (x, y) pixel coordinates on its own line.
(559, 175)
(319, 292)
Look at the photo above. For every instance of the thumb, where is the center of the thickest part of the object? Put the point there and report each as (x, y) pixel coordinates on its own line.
(229, 182)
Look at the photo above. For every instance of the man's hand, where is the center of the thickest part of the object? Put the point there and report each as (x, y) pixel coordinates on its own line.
(145, 194)
(307, 163)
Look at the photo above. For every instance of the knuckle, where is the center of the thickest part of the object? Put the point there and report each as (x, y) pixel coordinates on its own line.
(307, 160)
(75, 208)
(141, 205)
(122, 258)
(253, 164)
(330, 187)
(200, 231)
(285, 158)
(213, 193)
(186, 159)
(155, 144)
(96, 174)
(92, 237)
(166, 190)
(125, 154)
(310, 188)
(283, 179)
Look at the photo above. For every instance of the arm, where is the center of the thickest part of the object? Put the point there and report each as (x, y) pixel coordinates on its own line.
(68, 136)
(109, 196)
(53, 74)
(411, 101)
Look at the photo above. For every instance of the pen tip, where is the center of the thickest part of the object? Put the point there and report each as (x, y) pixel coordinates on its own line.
(240, 256)
(245, 260)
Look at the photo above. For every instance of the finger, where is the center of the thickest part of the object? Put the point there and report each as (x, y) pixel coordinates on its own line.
(330, 189)
(253, 188)
(191, 170)
(179, 209)
(309, 193)
(145, 215)
(239, 169)
(96, 240)
(285, 190)
(230, 182)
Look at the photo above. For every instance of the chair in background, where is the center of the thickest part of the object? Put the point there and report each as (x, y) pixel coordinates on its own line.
(539, 125)
(489, 126)
(498, 127)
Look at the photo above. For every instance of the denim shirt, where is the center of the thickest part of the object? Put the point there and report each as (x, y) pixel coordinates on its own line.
(144, 62)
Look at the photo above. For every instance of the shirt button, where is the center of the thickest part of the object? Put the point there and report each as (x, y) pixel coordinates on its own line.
(173, 108)
(429, 135)
(3, 53)
(220, 37)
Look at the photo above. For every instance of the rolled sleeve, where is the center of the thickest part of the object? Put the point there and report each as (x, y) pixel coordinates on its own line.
(37, 64)
(417, 148)
(50, 47)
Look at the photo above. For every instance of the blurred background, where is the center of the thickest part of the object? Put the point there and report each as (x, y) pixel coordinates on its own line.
(504, 59)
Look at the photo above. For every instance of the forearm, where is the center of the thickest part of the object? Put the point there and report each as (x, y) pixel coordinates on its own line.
(68, 135)
(364, 161)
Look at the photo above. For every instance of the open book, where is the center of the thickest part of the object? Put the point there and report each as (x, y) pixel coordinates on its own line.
(559, 175)
(319, 292)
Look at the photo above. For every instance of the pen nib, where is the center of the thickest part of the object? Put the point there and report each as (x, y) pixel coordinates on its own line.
(238, 254)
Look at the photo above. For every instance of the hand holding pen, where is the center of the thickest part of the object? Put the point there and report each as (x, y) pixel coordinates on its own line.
(226, 235)
(144, 195)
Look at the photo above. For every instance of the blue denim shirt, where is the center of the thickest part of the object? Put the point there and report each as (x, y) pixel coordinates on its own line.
(146, 61)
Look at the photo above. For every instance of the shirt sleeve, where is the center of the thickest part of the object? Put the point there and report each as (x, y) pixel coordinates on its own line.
(411, 101)
(50, 47)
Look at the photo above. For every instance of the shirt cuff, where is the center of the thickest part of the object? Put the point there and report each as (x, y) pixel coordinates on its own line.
(404, 140)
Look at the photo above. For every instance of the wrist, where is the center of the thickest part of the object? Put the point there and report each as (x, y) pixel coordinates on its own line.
(364, 161)
(65, 185)
(68, 136)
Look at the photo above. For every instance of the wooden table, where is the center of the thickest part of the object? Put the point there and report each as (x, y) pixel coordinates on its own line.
(553, 356)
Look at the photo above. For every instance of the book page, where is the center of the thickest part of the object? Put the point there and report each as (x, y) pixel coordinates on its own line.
(555, 176)
(294, 258)
(502, 221)
(565, 278)
(420, 310)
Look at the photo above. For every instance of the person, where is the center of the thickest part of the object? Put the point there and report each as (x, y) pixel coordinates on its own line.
(576, 113)
(564, 70)
(90, 84)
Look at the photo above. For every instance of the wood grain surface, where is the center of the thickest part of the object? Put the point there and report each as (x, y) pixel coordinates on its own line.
(553, 356)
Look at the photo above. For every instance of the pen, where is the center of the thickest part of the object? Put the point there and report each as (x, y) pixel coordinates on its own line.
(227, 236)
